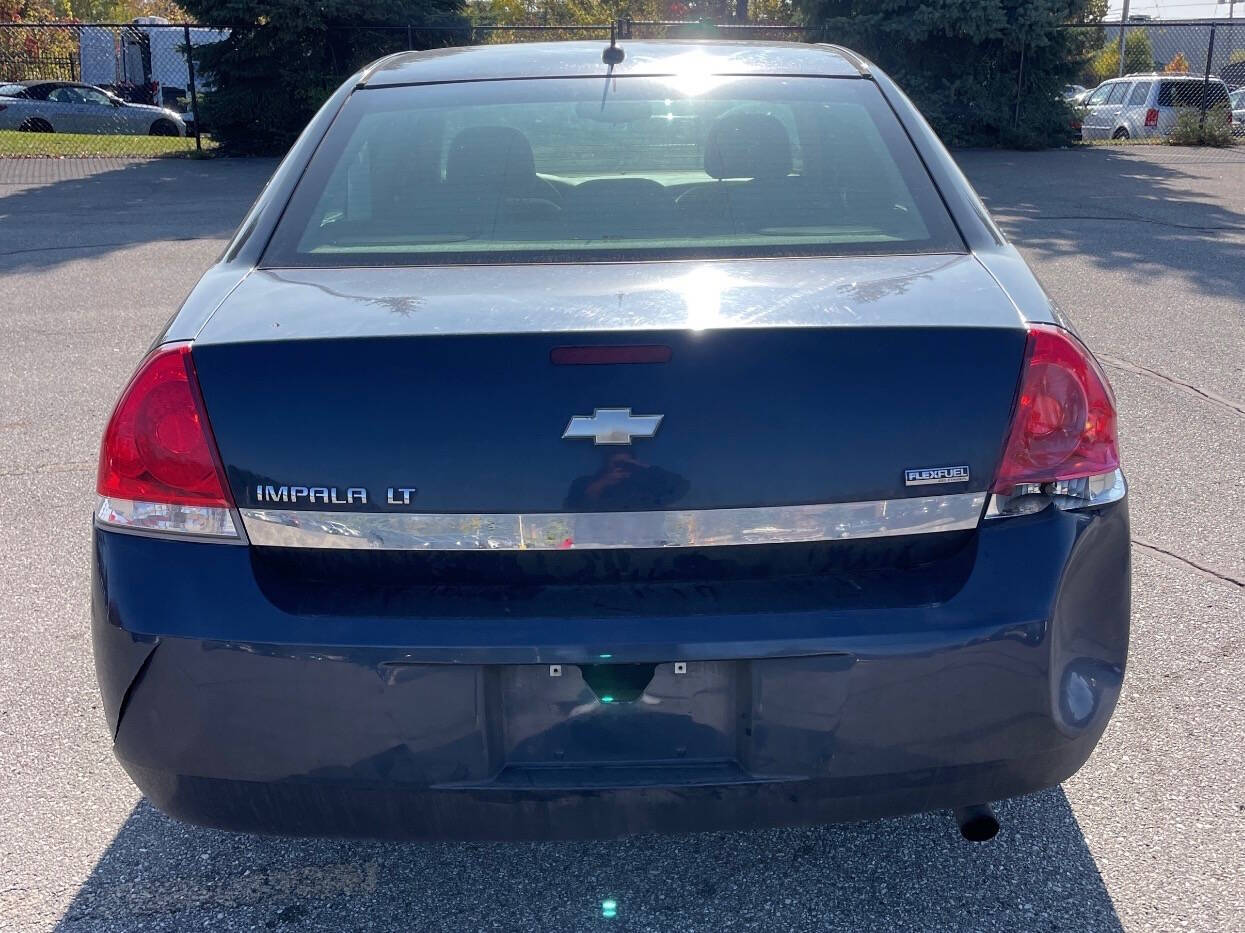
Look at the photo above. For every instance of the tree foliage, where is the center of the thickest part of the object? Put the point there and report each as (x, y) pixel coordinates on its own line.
(984, 72)
(282, 58)
(603, 12)
(773, 12)
(1179, 65)
(1105, 63)
(28, 53)
(86, 11)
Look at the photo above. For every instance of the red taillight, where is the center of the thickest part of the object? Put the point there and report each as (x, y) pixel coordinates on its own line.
(1064, 423)
(1152, 117)
(158, 446)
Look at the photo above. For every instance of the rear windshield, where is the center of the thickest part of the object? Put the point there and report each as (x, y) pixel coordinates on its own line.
(589, 169)
(1189, 94)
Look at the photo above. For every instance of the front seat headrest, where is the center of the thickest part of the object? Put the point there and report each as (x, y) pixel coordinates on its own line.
(748, 145)
(495, 156)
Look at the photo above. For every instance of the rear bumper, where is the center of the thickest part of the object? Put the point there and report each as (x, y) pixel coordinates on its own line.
(230, 712)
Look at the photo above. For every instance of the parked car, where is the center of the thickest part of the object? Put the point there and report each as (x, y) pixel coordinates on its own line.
(669, 442)
(70, 107)
(1238, 112)
(1144, 106)
(1078, 100)
(1072, 91)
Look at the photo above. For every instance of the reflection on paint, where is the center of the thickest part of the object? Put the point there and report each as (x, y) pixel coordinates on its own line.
(701, 291)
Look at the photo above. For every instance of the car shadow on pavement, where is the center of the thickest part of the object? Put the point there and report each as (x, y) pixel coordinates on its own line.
(58, 210)
(1148, 210)
(912, 873)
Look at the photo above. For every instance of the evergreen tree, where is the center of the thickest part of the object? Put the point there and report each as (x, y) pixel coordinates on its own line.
(984, 72)
(282, 58)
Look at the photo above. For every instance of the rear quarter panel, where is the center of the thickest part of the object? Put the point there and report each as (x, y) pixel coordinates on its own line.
(17, 111)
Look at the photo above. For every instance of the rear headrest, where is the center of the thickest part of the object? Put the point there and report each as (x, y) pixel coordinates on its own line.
(748, 145)
(490, 154)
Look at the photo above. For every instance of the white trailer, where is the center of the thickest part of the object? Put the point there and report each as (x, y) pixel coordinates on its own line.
(98, 55)
(147, 55)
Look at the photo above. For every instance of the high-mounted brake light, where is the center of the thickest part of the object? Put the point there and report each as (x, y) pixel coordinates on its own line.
(1064, 425)
(619, 353)
(158, 465)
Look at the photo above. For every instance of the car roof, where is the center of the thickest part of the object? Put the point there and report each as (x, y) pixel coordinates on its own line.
(51, 82)
(1165, 75)
(583, 58)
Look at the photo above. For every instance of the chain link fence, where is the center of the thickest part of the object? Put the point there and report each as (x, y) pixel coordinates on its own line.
(100, 89)
(1180, 82)
(131, 89)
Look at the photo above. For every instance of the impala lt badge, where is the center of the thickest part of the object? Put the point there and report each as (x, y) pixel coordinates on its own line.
(612, 426)
(930, 475)
(331, 495)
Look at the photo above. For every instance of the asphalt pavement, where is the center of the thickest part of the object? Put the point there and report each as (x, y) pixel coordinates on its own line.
(1144, 248)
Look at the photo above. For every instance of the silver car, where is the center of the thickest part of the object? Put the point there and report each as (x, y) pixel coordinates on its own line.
(1144, 106)
(1238, 111)
(69, 107)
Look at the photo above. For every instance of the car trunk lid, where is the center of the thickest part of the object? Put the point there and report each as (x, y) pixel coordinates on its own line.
(448, 390)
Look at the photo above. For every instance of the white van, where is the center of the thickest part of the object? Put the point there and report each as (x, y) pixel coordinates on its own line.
(1142, 106)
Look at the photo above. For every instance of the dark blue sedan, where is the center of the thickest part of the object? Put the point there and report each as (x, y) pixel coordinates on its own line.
(572, 445)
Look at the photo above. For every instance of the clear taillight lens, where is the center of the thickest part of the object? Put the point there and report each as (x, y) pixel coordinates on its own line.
(1064, 425)
(158, 465)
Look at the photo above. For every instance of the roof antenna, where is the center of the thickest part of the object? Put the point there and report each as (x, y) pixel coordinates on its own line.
(613, 55)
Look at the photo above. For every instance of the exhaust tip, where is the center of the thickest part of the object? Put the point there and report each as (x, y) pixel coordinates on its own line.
(977, 823)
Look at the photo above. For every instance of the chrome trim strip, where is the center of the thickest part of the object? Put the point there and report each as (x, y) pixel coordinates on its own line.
(162, 519)
(547, 531)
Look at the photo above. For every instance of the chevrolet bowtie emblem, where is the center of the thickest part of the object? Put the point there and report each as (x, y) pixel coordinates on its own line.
(612, 426)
